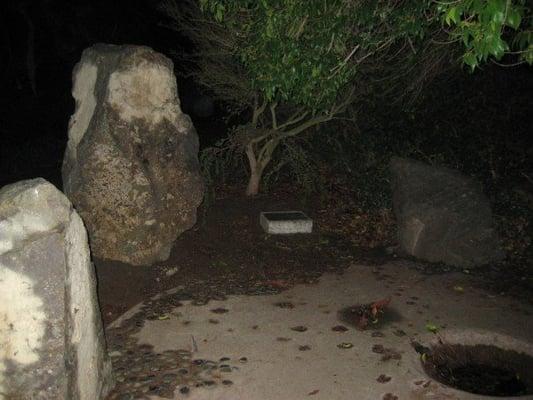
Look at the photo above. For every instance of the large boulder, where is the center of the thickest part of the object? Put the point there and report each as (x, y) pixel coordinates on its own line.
(131, 164)
(442, 215)
(51, 338)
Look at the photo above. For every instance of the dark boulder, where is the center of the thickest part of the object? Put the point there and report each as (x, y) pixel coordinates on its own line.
(442, 215)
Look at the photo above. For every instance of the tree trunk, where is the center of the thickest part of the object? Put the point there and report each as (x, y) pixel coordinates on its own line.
(255, 171)
(253, 182)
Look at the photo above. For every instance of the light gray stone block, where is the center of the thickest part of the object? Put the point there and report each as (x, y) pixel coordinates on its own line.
(285, 222)
(51, 337)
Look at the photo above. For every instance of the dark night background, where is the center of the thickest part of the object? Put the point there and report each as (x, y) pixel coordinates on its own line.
(33, 121)
(33, 125)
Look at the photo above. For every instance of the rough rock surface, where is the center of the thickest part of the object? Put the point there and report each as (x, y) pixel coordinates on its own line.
(51, 337)
(131, 167)
(442, 215)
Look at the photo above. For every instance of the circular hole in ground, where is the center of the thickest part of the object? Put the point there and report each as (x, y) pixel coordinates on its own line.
(481, 369)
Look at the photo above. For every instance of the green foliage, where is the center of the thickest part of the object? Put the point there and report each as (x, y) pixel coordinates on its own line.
(305, 52)
(432, 328)
(300, 50)
(489, 28)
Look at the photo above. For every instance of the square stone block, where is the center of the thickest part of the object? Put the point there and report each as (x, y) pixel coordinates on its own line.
(285, 222)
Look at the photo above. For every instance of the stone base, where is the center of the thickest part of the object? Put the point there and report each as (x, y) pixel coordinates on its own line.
(285, 222)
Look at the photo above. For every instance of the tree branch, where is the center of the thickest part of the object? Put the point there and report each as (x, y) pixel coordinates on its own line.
(273, 114)
(258, 110)
(265, 154)
(294, 118)
(306, 125)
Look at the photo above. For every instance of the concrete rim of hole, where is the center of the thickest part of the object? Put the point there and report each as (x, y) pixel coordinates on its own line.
(498, 345)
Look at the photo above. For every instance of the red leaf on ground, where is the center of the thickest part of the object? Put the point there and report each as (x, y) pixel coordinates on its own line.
(379, 306)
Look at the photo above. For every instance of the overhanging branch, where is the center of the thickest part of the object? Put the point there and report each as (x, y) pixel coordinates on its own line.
(294, 118)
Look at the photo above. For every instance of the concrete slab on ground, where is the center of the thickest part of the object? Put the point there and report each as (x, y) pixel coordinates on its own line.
(283, 363)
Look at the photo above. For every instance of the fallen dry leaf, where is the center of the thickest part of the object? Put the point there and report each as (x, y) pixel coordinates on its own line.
(339, 328)
(284, 304)
(299, 328)
(220, 310)
(383, 378)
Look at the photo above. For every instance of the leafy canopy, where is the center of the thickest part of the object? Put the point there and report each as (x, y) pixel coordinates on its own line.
(305, 51)
(489, 28)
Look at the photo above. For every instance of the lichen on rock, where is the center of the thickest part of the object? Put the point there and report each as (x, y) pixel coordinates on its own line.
(131, 165)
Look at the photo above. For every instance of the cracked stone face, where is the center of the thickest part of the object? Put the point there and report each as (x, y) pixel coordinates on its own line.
(131, 167)
(51, 336)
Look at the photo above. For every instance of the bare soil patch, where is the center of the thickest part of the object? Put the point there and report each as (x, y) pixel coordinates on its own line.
(227, 252)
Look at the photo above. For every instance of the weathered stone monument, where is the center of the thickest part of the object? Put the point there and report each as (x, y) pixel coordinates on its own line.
(131, 167)
(51, 337)
(442, 216)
